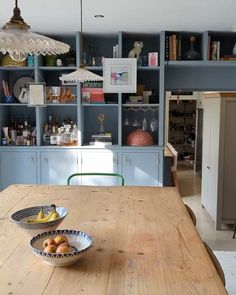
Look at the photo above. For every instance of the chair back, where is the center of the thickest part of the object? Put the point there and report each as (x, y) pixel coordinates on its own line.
(191, 214)
(119, 176)
(216, 263)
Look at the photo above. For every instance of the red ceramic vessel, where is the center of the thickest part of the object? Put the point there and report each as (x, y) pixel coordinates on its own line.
(139, 137)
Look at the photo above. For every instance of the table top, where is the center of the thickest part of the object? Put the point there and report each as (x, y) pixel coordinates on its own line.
(144, 243)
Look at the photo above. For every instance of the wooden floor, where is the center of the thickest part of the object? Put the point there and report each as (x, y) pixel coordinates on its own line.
(190, 189)
(220, 241)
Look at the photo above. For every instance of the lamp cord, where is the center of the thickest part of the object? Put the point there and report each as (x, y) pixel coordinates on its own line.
(81, 33)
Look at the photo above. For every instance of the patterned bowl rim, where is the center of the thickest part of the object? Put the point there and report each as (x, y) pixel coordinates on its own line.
(36, 207)
(56, 232)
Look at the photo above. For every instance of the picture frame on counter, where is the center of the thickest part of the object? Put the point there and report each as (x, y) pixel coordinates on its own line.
(120, 75)
(37, 94)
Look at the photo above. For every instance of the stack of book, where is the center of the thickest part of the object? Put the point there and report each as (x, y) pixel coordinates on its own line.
(228, 57)
(92, 92)
(173, 47)
(135, 99)
(102, 139)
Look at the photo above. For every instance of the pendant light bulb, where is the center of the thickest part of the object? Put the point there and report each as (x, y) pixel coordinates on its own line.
(17, 40)
(18, 56)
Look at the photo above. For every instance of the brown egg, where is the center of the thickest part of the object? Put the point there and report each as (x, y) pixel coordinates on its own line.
(48, 242)
(60, 240)
(50, 249)
(63, 249)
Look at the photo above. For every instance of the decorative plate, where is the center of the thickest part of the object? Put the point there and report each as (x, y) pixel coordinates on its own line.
(79, 241)
(19, 84)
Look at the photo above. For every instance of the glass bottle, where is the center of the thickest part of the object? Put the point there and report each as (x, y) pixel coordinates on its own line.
(192, 54)
(46, 135)
(74, 134)
(53, 136)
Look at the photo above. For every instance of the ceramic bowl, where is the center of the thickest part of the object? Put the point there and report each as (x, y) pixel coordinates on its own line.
(21, 217)
(79, 241)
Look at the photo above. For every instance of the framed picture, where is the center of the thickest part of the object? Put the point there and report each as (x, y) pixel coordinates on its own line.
(153, 59)
(120, 75)
(36, 94)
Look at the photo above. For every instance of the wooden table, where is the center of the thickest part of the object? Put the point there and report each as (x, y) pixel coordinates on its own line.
(144, 243)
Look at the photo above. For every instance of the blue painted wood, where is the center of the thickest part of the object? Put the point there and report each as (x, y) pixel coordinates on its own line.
(140, 168)
(56, 166)
(18, 168)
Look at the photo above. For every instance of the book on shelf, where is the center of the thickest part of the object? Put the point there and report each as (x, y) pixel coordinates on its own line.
(167, 57)
(179, 47)
(209, 48)
(135, 99)
(228, 57)
(101, 144)
(102, 136)
(92, 95)
(173, 47)
(97, 84)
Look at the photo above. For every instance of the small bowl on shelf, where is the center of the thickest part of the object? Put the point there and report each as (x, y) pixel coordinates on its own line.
(22, 216)
(79, 241)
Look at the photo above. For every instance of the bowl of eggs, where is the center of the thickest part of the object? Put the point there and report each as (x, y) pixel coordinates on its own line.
(61, 247)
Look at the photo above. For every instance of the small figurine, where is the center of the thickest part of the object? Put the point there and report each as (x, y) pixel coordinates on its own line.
(101, 119)
(135, 52)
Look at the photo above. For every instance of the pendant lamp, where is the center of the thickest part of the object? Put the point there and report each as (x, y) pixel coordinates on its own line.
(18, 41)
(81, 75)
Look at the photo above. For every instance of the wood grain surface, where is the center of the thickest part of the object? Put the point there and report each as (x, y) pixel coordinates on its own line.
(144, 243)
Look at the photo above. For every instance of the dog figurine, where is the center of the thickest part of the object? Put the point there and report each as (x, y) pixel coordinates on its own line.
(135, 52)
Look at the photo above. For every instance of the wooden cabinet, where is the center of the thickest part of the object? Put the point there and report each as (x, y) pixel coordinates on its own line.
(100, 162)
(18, 168)
(219, 161)
(141, 169)
(57, 166)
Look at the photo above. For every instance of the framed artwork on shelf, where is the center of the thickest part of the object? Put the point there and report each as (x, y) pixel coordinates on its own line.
(36, 94)
(120, 75)
(153, 59)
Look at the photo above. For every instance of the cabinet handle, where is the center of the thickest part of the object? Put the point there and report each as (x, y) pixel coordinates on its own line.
(208, 167)
(46, 159)
(127, 161)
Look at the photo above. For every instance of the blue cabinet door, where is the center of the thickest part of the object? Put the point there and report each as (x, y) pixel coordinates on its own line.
(140, 169)
(18, 168)
(57, 166)
(99, 162)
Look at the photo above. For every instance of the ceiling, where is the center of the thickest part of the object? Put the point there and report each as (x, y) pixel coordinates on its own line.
(58, 16)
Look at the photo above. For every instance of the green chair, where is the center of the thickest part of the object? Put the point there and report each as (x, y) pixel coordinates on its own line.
(119, 176)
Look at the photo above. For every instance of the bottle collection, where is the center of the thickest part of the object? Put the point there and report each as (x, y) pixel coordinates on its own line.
(56, 133)
(19, 132)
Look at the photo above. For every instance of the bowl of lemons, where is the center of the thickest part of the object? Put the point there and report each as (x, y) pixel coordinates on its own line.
(38, 219)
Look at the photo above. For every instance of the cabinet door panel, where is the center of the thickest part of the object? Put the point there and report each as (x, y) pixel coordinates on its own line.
(100, 162)
(18, 168)
(56, 167)
(140, 168)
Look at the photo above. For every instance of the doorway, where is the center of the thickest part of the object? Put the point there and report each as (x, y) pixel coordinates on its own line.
(181, 127)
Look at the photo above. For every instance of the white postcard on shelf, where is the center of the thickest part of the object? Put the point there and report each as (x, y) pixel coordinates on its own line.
(36, 94)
